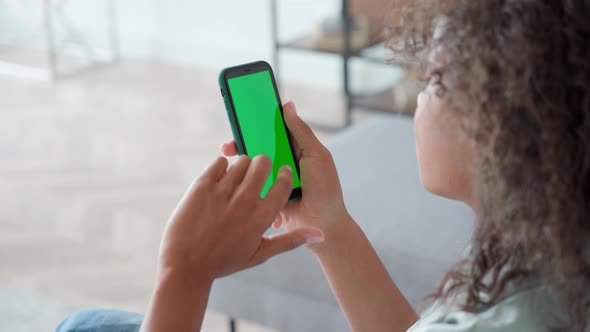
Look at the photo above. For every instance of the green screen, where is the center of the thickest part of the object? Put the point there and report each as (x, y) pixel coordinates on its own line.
(261, 122)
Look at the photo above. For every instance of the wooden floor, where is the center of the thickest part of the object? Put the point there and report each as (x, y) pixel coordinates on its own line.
(90, 169)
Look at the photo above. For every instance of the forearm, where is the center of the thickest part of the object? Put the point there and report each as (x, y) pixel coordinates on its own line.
(177, 304)
(365, 291)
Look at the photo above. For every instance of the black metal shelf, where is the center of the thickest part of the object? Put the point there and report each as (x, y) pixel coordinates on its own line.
(381, 101)
(367, 52)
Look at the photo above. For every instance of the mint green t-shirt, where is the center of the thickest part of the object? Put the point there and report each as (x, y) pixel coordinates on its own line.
(532, 307)
(531, 310)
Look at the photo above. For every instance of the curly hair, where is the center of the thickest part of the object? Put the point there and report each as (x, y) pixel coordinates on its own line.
(518, 74)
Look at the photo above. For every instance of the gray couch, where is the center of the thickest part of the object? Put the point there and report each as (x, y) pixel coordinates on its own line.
(417, 235)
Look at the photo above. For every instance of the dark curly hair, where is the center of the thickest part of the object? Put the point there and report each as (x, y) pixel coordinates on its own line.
(518, 74)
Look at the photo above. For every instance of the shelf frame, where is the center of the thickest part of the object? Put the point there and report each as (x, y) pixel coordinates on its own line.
(353, 101)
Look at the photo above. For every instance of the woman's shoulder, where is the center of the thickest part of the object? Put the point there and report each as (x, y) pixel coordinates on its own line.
(533, 309)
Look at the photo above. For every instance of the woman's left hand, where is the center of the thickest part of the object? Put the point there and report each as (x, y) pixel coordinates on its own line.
(217, 228)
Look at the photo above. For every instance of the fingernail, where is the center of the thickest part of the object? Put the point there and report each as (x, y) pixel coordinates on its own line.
(287, 168)
(314, 239)
(292, 106)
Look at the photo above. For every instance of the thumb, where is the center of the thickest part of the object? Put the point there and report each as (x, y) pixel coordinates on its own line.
(286, 241)
(300, 131)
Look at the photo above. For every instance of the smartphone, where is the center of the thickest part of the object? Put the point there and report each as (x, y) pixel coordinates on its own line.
(255, 114)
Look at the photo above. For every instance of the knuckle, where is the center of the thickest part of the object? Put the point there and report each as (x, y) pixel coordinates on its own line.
(293, 243)
(262, 158)
(220, 160)
(202, 181)
(246, 197)
(263, 161)
(325, 153)
(260, 261)
(262, 164)
(305, 127)
(243, 159)
(201, 186)
(225, 190)
(239, 194)
(284, 183)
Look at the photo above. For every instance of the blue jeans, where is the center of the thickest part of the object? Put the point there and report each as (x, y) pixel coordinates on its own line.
(101, 320)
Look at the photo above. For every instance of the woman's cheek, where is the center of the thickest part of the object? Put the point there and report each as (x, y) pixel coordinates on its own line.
(431, 142)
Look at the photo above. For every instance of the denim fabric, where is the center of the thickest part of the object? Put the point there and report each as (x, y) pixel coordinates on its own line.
(101, 320)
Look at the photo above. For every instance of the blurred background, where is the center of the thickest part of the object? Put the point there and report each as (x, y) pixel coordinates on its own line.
(109, 108)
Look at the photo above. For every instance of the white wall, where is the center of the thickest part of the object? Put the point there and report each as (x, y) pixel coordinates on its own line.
(213, 34)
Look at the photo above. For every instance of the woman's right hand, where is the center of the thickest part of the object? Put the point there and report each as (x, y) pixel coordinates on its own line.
(321, 205)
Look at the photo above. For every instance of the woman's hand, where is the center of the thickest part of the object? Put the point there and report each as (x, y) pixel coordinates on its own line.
(322, 204)
(217, 228)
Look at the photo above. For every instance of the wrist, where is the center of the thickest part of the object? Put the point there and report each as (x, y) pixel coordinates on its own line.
(336, 234)
(181, 264)
(181, 278)
(178, 301)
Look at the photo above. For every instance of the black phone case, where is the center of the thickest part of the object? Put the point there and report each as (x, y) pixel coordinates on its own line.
(231, 114)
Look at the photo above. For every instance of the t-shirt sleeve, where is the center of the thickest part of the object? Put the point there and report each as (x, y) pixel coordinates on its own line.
(527, 311)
